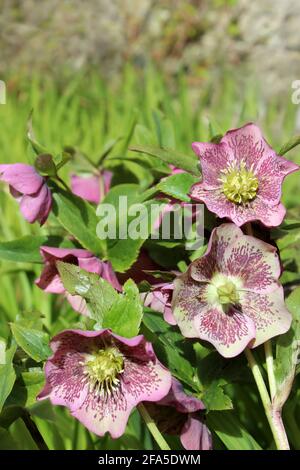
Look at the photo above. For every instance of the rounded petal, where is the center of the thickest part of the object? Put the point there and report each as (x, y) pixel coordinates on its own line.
(269, 313)
(213, 158)
(87, 188)
(180, 400)
(50, 253)
(187, 303)
(37, 206)
(195, 435)
(254, 262)
(49, 280)
(202, 269)
(22, 178)
(230, 333)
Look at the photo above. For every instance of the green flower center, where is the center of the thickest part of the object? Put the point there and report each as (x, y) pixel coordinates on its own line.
(103, 368)
(227, 294)
(223, 291)
(239, 184)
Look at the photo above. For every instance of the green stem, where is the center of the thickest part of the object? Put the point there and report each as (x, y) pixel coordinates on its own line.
(153, 428)
(273, 416)
(270, 368)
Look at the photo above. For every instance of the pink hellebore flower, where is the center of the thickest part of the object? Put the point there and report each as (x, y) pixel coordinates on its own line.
(185, 420)
(92, 188)
(101, 377)
(231, 296)
(50, 280)
(29, 189)
(242, 177)
(159, 299)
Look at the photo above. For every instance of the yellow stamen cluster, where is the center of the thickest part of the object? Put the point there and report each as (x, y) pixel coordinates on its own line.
(103, 368)
(239, 184)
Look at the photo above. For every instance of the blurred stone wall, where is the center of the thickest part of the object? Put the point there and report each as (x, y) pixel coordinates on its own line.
(258, 37)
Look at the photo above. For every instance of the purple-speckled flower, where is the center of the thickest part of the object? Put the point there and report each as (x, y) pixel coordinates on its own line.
(242, 177)
(101, 377)
(180, 414)
(159, 299)
(92, 188)
(50, 280)
(29, 189)
(231, 296)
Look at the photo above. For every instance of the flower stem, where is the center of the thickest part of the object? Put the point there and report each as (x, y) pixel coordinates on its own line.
(270, 368)
(153, 428)
(273, 416)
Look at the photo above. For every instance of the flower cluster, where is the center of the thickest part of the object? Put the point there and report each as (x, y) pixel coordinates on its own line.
(230, 297)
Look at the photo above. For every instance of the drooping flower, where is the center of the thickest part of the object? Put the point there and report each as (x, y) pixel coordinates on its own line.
(50, 280)
(242, 177)
(231, 296)
(180, 414)
(92, 188)
(159, 299)
(101, 377)
(30, 189)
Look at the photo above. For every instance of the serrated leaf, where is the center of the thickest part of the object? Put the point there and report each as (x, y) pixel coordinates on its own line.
(79, 218)
(215, 398)
(287, 351)
(178, 186)
(98, 293)
(173, 157)
(124, 318)
(34, 342)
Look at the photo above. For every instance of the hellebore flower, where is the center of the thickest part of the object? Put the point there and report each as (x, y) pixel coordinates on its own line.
(159, 299)
(29, 189)
(242, 177)
(92, 188)
(185, 420)
(231, 296)
(101, 377)
(50, 280)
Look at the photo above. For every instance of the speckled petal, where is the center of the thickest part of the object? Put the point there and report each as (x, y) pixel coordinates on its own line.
(203, 268)
(230, 333)
(213, 158)
(254, 262)
(144, 378)
(268, 312)
(247, 143)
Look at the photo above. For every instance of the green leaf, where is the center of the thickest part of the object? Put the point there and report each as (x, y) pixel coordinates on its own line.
(289, 145)
(7, 380)
(228, 428)
(173, 157)
(215, 398)
(178, 186)
(7, 442)
(98, 293)
(123, 250)
(27, 249)
(78, 217)
(124, 318)
(34, 342)
(287, 351)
